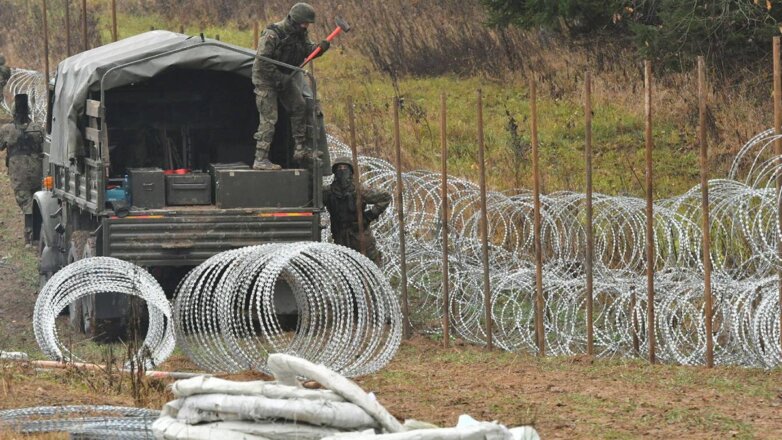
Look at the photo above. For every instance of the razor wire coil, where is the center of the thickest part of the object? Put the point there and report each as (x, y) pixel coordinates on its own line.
(227, 311)
(99, 275)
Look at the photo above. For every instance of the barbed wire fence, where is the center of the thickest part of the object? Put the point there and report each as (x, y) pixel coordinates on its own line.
(744, 224)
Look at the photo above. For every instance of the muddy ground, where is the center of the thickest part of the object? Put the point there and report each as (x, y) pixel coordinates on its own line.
(562, 397)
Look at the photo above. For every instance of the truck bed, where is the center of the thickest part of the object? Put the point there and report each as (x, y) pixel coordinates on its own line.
(187, 236)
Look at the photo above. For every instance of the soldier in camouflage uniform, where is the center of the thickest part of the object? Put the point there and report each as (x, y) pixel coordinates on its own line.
(288, 42)
(5, 75)
(340, 200)
(23, 142)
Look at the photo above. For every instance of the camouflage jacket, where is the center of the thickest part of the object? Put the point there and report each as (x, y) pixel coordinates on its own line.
(21, 139)
(281, 42)
(342, 205)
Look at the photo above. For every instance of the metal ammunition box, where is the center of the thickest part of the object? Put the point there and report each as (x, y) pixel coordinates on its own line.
(263, 189)
(147, 188)
(189, 189)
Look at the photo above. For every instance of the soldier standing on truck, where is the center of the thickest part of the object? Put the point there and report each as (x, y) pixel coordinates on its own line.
(23, 141)
(5, 75)
(340, 200)
(288, 42)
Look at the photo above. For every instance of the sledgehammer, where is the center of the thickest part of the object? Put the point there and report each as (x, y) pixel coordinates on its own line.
(342, 26)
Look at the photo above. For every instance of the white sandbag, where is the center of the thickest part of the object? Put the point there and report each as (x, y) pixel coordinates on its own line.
(339, 415)
(168, 428)
(286, 368)
(481, 431)
(278, 431)
(213, 385)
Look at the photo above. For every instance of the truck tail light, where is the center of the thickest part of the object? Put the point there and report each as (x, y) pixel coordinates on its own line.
(48, 183)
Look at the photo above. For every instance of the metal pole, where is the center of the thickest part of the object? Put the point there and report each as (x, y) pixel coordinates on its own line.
(705, 208)
(84, 40)
(67, 6)
(539, 328)
(484, 227)
(778, 154)
(356, 176)
(400, 210)
(256, 35)
(650, 256)
(46, 48)
(114, 32)
(590, 239)
(444, 220)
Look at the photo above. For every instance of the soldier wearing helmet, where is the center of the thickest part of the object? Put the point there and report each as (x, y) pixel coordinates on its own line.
(286, 41)
(5, 75)
(23, 142)
(340, 201)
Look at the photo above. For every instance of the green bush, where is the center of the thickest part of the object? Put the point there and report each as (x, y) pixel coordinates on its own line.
(729, 32)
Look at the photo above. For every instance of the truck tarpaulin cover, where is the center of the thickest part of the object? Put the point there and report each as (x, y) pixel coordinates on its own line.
(126, 62)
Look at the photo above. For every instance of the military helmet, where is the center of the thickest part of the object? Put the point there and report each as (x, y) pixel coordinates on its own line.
(343, 160)
(302, 13)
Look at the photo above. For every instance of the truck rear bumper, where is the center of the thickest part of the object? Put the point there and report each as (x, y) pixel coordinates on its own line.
(189, 238)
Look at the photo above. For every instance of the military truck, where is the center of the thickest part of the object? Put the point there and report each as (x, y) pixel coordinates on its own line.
(147, 159)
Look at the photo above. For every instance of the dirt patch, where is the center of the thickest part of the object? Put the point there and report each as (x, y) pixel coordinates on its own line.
(579, 397)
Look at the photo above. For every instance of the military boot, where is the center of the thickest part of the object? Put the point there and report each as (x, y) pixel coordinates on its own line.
(28, 228)
(262, 161)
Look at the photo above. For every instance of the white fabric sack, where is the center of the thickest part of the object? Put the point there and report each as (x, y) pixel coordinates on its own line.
(271, 431)
(212, 407)
(286, 368)
(213, 385)
(481, 431)
(168, 428)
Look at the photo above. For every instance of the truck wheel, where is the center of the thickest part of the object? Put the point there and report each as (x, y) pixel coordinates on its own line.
(75, 252)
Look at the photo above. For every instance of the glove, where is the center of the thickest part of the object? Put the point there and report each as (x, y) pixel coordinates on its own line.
(369, 216)
(324, 46)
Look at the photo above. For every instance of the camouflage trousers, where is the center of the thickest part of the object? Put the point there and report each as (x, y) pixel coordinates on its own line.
(292, 99)
(350, 237)
(25, 173)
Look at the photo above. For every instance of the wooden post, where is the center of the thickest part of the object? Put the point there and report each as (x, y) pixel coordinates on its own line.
(181, 29)
(46, 48)
(114, 32)
(590, 239)
(778, 154)
(539, 327)
(256, 35)
(67, 7)
(217, 37)
(703, 141)
(400, 211)
(356, 176)
(444, 220)
(484, 227)
(650, 255)
(84, 38)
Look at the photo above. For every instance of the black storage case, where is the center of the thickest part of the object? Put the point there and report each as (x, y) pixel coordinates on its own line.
(291, 188)
(147, 188)
(189, 189)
